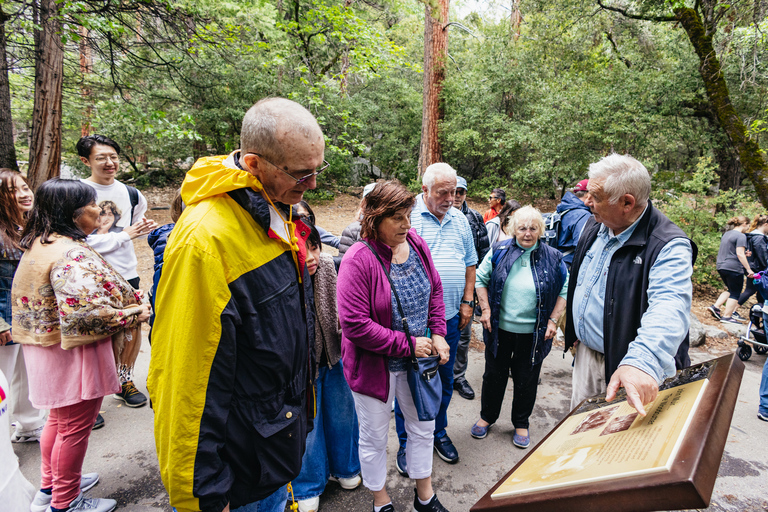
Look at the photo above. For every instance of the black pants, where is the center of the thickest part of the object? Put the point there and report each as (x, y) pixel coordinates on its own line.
(750, 290)
(734, 282)
(514, 351)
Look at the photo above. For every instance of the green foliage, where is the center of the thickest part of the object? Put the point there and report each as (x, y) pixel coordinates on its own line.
(703, 215)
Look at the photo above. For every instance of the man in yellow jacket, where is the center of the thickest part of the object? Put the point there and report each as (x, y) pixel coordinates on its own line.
(229, 377)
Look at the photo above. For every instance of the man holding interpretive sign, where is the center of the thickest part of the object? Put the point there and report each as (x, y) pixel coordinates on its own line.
(629, 296)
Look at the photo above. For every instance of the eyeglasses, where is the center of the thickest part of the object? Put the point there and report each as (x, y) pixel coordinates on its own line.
(301, 180)
(103, 159)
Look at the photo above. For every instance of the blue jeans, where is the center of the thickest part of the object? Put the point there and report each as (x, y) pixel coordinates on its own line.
(275, 502)
(332, 445)
(446, 378)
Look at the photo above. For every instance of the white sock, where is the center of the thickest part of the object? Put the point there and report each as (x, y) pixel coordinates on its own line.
(378, 509)
(425, 502)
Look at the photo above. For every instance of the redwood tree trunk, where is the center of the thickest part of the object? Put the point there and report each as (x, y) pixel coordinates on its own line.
(45, 146)
(7, 149)
(747, 150)
(435, 53)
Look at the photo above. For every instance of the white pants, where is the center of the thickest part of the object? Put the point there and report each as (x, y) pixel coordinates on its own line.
(22, 411)
(588, 374)
(374, 416)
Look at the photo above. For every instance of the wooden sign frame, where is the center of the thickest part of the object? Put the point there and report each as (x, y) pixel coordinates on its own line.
(687, 485)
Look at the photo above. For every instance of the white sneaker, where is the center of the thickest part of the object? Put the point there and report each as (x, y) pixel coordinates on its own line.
(83, 504)
(27, 436)
(348, 483)
(310, 505)
(42, 501)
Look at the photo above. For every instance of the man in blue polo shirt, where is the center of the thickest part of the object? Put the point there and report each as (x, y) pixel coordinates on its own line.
(449, 237)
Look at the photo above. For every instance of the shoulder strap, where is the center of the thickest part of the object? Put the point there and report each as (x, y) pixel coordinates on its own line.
(133, 193)
(397, 299)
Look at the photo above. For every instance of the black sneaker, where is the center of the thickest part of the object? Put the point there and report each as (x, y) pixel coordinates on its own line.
(738, 317)
(715, 312)
(130, 395)
(400, 463)
(434, 504)
(386, 508)
(99, 422)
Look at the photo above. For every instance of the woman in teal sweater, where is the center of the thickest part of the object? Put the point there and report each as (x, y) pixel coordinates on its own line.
(521, 286)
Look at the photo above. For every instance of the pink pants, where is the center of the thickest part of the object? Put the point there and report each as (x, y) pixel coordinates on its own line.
(63, 445)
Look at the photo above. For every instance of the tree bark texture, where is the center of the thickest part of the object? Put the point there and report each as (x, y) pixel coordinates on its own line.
(435, 53)
(86, 68)
(45, 147)
(747, 150)
(7, 149)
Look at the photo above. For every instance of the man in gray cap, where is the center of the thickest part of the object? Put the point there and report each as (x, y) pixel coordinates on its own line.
(480, 237)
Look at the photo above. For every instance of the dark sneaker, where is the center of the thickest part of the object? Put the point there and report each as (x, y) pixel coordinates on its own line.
(729, 320)
(400, 464)
(446, 451)
(464, 389)
(762, 416)
(737, 316)
(386, 508)
(99, 422)
(434, 504)
(130, 395)
(715, 312)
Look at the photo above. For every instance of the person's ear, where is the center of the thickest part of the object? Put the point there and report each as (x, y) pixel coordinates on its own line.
(252, 164)
(424, 189)
(85, 161)
(629, 202)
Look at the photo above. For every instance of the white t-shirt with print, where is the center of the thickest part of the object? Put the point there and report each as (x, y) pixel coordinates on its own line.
(110, 241)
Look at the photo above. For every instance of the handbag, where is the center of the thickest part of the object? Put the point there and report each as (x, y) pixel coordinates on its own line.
(423, 378)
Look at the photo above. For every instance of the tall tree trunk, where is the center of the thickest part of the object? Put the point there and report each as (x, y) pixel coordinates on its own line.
(747, 150)
(45, 148)
(435, 53)
(86, 68)
(7, 149)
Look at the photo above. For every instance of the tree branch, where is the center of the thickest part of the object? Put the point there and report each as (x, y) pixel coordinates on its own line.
(634, 16)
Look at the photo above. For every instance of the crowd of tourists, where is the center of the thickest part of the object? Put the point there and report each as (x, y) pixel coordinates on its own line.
(275, 367)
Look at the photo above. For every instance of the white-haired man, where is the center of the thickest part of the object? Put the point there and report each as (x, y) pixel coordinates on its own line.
(229, 375)
(629, 295)
(449, 237)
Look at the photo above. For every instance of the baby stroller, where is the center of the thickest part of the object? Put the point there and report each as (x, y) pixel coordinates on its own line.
(754, 335)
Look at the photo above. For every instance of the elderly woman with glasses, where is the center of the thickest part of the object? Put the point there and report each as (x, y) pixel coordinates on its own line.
(521, 285)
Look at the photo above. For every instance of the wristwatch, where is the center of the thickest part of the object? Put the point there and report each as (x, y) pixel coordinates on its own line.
(469, 303)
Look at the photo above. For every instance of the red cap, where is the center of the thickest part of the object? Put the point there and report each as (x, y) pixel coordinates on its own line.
(581, 186)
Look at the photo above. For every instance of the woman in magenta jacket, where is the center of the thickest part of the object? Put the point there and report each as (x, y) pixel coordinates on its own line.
(374, 347)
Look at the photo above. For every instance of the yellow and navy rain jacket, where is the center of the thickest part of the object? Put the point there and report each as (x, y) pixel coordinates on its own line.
(230, 362)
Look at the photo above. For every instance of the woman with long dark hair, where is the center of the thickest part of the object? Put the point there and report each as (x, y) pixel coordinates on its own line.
(17, 200)
(75, 317)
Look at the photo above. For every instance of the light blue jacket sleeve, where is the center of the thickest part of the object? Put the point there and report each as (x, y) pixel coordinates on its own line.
(328, 238)
(483, 274)
(667, 319)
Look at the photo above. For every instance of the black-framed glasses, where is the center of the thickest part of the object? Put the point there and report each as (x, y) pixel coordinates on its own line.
(301, 180)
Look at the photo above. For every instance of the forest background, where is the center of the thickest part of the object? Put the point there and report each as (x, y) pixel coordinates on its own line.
(530, 92)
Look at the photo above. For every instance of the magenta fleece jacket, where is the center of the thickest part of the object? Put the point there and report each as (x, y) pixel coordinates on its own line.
(365, 311)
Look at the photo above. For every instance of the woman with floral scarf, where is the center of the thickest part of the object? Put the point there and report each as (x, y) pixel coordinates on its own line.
(75, 317)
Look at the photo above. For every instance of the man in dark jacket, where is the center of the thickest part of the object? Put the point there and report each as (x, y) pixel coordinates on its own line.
(480, 237)
(230, 376)
(629, 295)
(574, 214)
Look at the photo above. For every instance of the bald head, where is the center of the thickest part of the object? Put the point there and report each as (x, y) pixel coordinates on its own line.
(271, 122)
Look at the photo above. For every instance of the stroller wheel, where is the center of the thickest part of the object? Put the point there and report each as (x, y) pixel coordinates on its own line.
(745, 352)
(761, 350)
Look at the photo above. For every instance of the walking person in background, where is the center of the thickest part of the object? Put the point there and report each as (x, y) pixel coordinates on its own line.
(574, 214)
(17, 200)
(732, 264)
(76, 315)
(757, 258)
(332, 450)
(480, 237)
(496, 201)
(102, 156)
(374, 346)
(521, 286)
(493, 226)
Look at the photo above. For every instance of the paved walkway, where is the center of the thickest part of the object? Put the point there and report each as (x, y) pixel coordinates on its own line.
(124, 455)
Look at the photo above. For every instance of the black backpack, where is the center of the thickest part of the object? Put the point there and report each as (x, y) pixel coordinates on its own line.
(755, 262)
(553, 227)
(133, 193)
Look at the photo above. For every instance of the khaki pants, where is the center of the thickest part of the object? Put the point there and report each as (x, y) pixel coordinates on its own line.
(588, 374)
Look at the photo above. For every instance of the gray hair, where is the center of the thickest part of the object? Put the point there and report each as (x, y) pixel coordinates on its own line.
(525, 216)
(268, 121)
(440, 169)
(622, 174)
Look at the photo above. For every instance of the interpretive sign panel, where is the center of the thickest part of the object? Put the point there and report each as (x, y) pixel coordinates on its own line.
(607, 455)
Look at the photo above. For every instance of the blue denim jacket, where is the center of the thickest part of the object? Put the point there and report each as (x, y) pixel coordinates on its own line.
(9, 261)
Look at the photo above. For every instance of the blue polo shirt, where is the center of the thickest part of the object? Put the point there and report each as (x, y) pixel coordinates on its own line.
(452, 248)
